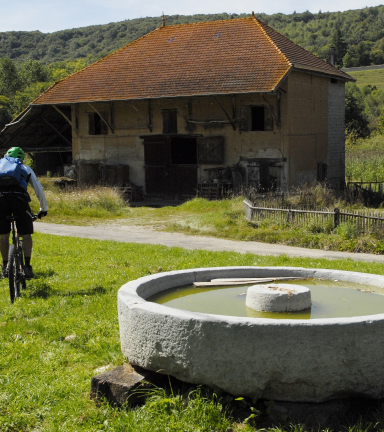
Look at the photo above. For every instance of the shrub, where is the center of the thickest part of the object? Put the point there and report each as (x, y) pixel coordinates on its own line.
(347, 230)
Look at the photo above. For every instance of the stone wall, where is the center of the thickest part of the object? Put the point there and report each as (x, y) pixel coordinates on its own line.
(336, 135)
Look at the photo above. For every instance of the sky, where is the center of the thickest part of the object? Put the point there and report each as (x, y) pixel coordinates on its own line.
(49, 16)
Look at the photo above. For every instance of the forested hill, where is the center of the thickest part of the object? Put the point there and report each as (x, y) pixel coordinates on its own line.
(358, 36)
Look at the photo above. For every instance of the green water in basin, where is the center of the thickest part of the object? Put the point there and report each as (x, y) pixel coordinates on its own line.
(330, 299)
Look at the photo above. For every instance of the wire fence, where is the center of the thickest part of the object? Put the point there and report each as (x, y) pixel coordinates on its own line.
(365, 221)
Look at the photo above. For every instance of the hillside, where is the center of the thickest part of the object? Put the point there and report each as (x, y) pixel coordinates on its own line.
(358, 36)
(369, 78)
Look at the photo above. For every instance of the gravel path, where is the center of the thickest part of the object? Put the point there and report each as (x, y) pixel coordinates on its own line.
(138, 234)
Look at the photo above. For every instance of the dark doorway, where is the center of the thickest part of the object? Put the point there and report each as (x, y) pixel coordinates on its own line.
(170, 166)
(52, 162)
(183, 151)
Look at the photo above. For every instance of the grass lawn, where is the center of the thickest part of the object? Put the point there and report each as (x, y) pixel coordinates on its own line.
(373, 77)
(223, 218)
(365, 159)
(65, 328)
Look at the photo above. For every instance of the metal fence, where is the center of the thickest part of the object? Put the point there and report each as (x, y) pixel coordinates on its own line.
(364, 221)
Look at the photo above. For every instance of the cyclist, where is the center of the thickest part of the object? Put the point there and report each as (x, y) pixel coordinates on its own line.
(14, 199)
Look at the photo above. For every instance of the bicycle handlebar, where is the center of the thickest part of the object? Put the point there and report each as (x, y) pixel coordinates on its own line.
(12, 218)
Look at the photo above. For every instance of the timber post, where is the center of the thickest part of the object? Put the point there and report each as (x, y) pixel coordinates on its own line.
(336, 217)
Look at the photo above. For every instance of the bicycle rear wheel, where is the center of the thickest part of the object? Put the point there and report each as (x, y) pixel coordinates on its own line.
(15, 273)
(19, 273)
(22, 275)
(11, 272)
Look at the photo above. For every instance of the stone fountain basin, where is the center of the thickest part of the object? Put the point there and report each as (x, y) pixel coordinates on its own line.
(290, 360)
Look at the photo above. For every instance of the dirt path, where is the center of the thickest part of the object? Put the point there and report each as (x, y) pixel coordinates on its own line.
(144, 234)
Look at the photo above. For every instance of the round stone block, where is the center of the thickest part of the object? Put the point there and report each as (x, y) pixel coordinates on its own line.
(278, 297)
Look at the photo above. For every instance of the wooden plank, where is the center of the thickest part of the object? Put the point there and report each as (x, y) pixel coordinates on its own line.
(207, 284)
(254, 279)
(246, 281)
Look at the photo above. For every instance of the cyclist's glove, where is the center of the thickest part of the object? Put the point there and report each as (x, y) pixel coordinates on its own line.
(41, 214)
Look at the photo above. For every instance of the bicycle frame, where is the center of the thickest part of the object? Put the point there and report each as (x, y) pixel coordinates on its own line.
(16, 276)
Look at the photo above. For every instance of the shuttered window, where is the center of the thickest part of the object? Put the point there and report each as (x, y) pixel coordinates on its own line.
(255, 118)
(96, 126)
(210, 150)
(169, 121)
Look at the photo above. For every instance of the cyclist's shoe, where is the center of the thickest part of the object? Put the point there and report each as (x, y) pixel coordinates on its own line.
(4, 272)
(28, 272)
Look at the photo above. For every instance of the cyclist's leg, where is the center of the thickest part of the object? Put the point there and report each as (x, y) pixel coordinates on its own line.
(4, 240)
(27, 244)
(5, 228)
(24, 224)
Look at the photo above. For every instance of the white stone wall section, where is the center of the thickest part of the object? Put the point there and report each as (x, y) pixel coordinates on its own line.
(336, 135)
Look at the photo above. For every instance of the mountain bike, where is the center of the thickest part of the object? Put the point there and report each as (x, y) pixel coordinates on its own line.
(16, 276)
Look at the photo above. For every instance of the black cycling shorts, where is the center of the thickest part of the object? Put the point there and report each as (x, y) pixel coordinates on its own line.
(16, 204)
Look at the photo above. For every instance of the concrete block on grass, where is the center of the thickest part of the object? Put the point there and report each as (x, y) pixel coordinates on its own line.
(122, 385)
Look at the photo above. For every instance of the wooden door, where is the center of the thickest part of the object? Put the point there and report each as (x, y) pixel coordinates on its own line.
(157, 161)
(170, 166)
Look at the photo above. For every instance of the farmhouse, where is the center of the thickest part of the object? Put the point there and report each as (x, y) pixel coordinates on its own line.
(190, 103)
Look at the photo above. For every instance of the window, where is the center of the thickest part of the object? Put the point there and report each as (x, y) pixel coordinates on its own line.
(210, 150)
(169, 121)
(255, 118)
(321, 171)
(96, 126)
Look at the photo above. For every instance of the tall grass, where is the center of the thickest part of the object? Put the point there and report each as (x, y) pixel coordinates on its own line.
(93, 202)
(365, 159)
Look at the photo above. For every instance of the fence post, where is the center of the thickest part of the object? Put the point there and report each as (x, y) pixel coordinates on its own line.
(336, 217)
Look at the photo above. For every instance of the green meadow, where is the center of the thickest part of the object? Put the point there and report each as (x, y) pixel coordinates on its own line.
(64, 330)
(374, 77)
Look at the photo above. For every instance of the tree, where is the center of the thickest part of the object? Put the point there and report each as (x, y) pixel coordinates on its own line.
(356, 121)
(340, 46)
(23, 98)
(5, 116)
(9, 78)
(32, 72)
(349, 61)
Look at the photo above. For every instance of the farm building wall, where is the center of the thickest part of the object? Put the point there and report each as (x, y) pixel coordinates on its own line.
(306, 126)
(295, 148)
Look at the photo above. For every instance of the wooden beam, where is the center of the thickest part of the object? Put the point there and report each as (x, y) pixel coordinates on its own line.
(234, 109)
(272, 113)
(61, 112)
(181, 112)
(102, 118)
(149, 125)
(58, 133)
(232, 121)
(42, 149)
(150, 114)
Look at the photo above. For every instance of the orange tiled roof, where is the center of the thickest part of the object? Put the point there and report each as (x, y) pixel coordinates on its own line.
(219, 57)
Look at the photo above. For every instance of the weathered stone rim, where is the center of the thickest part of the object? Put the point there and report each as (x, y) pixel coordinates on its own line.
(137, 291)
(278, 359)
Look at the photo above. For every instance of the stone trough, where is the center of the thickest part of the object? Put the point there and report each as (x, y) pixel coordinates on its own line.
(288, 359)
